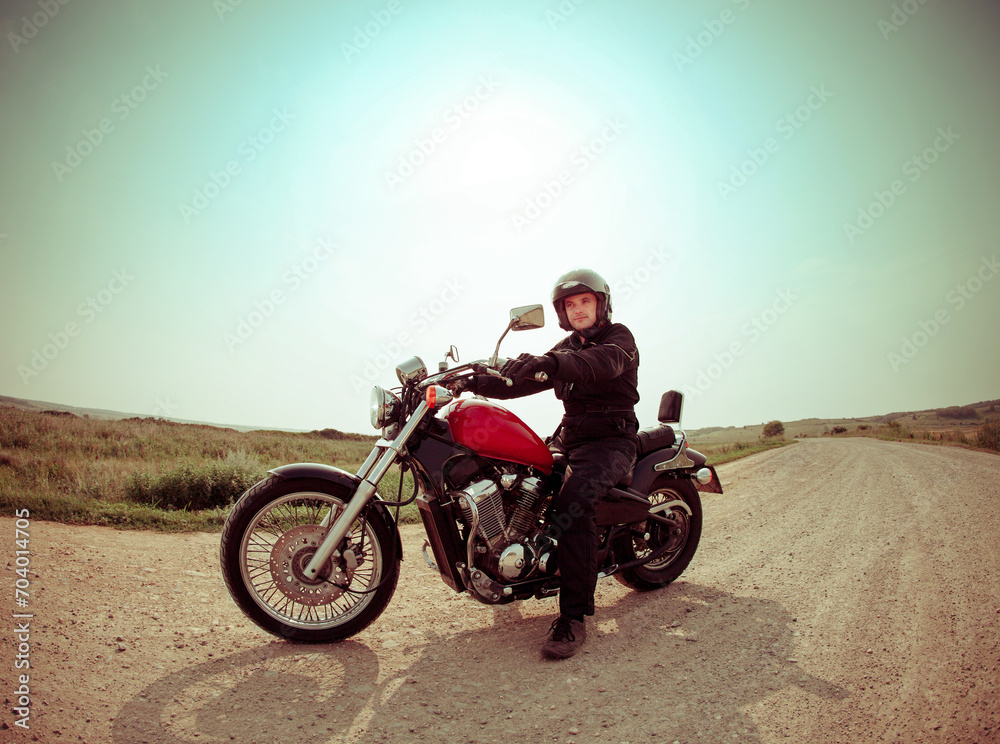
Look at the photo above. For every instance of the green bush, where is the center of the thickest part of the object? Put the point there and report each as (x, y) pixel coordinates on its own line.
(215, 485)
(838, 430)
(773, 429)
(989, 435)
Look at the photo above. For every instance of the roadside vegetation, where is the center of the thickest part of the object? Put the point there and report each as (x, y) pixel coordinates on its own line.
(155, 474)
(986, 436)
(147, 473)
(718, 454)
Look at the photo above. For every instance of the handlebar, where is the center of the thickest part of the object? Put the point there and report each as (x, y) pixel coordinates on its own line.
(482, 369)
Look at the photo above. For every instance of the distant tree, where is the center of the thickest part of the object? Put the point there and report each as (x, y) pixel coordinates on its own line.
(773, 429)
(958, 412)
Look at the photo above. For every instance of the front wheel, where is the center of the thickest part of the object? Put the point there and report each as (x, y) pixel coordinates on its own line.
(680, 537)
(269, 539)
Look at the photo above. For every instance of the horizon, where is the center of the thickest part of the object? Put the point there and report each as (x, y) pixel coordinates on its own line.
(231, 212)
(122, 415)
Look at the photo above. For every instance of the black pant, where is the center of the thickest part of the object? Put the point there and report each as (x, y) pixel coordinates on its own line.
(594, 466)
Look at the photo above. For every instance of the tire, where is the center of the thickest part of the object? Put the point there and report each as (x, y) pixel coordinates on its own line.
(686, 532)
(268, 539)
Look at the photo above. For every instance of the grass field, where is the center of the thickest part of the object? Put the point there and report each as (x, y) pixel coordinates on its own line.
(148, 473)
(141, 473)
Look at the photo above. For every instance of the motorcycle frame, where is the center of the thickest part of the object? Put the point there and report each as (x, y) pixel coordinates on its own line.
(619, 507)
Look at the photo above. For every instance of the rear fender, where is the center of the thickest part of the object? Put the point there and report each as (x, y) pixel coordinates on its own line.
(345, 480)
(673, 462)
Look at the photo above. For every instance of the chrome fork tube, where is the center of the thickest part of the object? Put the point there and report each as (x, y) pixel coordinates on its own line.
(363, 472)
(367, 465)
(377, 466)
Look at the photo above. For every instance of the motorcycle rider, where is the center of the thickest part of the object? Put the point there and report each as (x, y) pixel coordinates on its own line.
(594, 373)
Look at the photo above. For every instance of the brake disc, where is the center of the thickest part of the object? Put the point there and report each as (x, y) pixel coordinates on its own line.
(289, 558)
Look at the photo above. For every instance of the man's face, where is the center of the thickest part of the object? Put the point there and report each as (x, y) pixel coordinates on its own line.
(581, 310)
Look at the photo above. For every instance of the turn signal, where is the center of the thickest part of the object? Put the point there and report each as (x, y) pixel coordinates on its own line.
(437, 395)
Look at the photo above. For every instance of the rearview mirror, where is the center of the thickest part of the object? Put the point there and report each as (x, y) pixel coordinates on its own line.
(527, 317)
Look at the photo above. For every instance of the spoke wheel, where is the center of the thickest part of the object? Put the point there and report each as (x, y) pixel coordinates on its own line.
(271, 536)
(679, 538)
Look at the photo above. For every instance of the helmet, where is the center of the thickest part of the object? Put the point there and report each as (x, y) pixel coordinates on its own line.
(577, 282)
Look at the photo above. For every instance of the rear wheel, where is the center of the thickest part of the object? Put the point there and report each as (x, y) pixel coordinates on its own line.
(680, 537)
(269, 539)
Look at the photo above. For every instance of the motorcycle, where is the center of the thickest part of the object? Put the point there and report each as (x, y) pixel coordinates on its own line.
(312, 553)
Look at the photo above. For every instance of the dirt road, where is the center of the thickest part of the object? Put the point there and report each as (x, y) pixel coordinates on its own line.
(845, 591)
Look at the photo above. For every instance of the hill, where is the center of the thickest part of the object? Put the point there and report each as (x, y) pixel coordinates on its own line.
(106, 415)
(951, 419)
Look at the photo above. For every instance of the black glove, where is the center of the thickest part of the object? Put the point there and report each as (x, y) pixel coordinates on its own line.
(527, 365)
(462, 384)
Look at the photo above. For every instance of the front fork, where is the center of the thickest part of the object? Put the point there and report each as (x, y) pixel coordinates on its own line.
(371, 473)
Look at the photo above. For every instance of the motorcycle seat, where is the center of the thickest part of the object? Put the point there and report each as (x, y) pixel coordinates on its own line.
(559, 465)
(659, 437)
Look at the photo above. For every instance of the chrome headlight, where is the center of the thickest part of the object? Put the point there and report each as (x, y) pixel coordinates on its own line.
(384, 407)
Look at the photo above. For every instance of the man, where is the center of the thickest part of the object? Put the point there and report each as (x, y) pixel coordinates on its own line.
(594, 373)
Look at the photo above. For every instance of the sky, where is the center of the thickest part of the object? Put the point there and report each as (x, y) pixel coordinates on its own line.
(249, 213)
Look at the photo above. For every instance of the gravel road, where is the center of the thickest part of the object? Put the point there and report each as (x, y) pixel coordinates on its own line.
(845, 591)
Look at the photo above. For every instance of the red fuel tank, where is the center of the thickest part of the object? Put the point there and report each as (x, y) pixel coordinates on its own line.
(493, 431)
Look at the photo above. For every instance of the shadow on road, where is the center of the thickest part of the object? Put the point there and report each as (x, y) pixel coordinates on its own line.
(675, 663)
(280, 692)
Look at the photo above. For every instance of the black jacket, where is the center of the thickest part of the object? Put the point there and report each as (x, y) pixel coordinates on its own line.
(595, 373)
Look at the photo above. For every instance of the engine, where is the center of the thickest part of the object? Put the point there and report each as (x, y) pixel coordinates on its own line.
(504, 522)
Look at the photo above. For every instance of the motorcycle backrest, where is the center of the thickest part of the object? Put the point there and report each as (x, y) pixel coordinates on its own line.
(528, 317)
(670, 407)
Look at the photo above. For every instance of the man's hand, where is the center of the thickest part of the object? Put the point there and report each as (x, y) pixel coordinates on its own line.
(527, 365)
(462, 384)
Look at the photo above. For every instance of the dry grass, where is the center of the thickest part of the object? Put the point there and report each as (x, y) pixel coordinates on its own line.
(143, 472)
(985, 437)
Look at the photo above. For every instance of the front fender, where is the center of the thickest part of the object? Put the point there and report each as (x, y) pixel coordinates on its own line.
(317, 470)
(341, 478)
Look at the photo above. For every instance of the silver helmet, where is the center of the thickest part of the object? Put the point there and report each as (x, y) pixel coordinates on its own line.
(577, 282)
